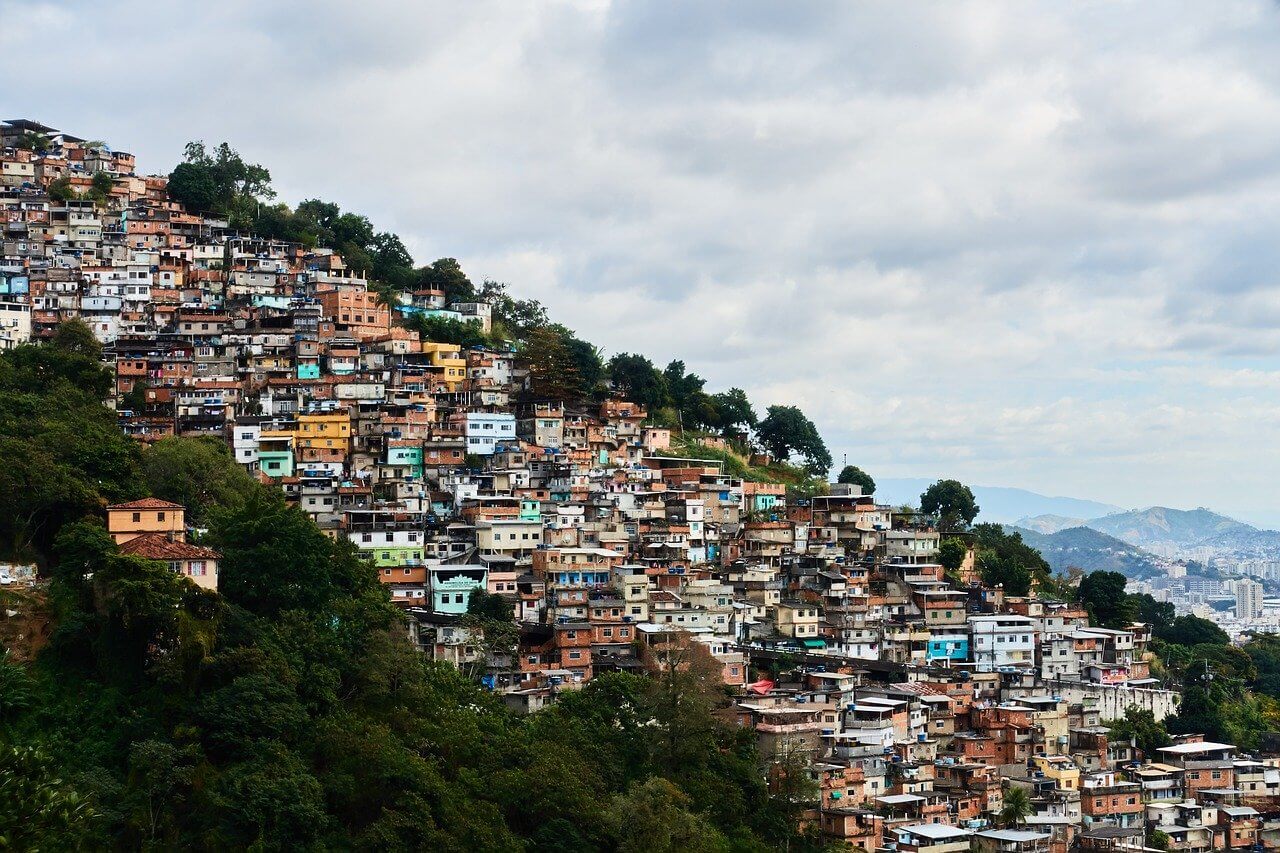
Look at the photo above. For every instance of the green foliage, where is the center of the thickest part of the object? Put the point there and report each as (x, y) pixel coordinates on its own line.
(198, 473)
(854, 475)
(736, 413)
(39, 809)
(553, 365)
(220, 182)
(1016, 808)
(489, 605)
(635, 378)
(952, 502)
(1102, 594)
(1190, 631)
(951, 554)
(446, 330)
(785, 431)
(1147, 609)
(1139, 726)
(60, 189)
(32, 141)
(101, 185)
(1004, 559)
(446, 274)
(64, 455)
(655, 816)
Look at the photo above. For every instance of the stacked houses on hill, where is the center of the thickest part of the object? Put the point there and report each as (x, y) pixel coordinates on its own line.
(915, 701)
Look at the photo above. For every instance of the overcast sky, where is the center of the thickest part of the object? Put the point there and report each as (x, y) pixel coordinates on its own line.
(1029, 244)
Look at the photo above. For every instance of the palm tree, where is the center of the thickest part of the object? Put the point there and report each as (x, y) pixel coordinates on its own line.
(1016, 808)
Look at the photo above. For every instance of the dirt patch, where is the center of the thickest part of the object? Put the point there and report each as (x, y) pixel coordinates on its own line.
(25, 622)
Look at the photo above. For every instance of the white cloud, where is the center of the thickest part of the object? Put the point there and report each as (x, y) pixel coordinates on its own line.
(1023, 243)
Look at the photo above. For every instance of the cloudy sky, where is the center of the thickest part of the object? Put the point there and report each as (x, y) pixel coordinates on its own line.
(1029, 244)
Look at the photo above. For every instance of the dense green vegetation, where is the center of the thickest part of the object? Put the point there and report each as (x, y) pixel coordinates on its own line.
(290, 711)
(1004, 560)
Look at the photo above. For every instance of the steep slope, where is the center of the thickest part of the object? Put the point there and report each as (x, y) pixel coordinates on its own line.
(1091, 551)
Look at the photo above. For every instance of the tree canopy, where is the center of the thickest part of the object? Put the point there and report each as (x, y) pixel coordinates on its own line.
(854, 475)
(952, 502)
(786, 432)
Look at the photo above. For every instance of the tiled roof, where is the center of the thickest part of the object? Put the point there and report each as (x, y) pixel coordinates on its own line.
(157, 546)
(147, 503)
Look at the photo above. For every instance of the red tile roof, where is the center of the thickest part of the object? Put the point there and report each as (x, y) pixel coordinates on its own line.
(157, 546)
(147, 503)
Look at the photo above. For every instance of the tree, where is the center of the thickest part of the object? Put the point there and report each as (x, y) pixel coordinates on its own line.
(1190, 631)
(1139, 727)
(1147, 609)
(33, 141)
(275, 559)
(951, 554)
(220, 182)
(198, 473)
(654, 817)
(447, 330)
(446, 274)
(41, 810)
(193, 186)
(1016, 807)
(736, 414)
(60, 189)
(1003, 559)
(489, 605)
(392, 262)
(786, 431)
(635, 378)
(101, 186)
(1102, 594)
(553, 371)
(952, 502)
(854, 475)
(76, 338)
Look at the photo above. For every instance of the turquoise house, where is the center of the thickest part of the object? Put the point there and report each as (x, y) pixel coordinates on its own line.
(451, 587)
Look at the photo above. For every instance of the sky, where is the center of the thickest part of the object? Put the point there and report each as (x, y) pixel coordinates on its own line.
(1026, 244)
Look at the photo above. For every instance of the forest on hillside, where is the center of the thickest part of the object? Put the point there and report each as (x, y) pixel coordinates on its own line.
(289, 710)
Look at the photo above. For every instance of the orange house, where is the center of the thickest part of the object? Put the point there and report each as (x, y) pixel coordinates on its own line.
(150, 515)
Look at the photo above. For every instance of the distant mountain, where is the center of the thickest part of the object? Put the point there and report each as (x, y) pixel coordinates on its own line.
(1091, 551)
(1049, 523)
(1165, 528)
(998, 503)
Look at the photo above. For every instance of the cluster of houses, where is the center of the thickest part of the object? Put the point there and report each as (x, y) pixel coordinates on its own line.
(916, 698)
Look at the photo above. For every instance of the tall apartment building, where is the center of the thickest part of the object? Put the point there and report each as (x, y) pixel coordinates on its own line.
(1248, 599)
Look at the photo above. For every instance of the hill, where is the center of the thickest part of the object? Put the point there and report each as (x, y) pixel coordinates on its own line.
(1049, 523)
(1091, 551)
(998, 503)
(1163, 527)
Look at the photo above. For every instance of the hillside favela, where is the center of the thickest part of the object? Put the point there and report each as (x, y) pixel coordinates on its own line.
(640, 428)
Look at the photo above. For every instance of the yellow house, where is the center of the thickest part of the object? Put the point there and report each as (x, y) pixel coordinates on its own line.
(1060, 769)
(798, 619)
(329, 430)
(446, 362)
